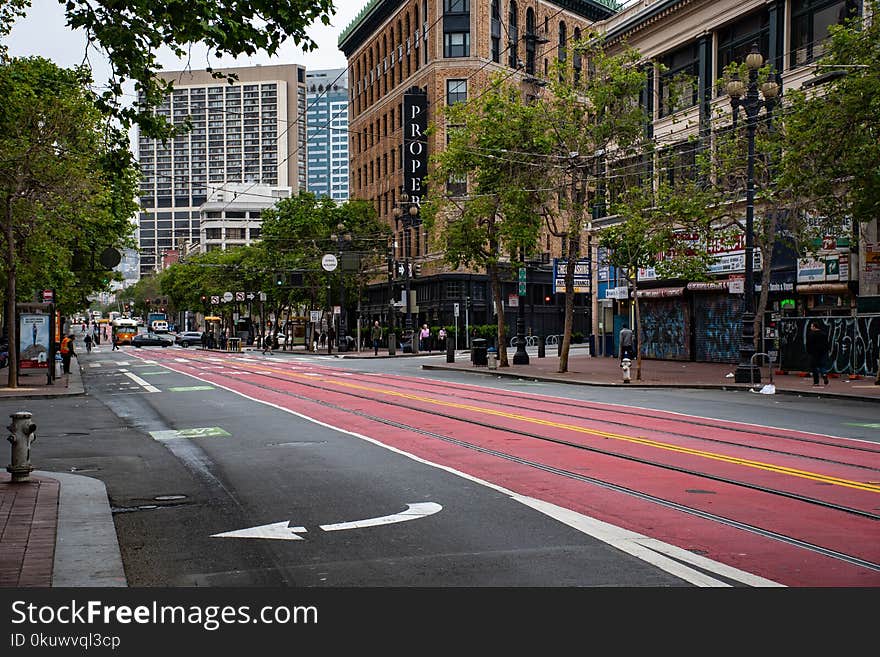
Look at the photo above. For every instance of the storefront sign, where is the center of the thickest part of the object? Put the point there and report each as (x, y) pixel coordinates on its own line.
(810, 270)
(415, 148)
(661, 292)
(621, 292)
(710, 286)
(581, 275)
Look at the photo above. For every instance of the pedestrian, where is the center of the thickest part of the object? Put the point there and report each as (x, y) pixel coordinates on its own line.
(204, 340)
(424, 339)
(376, 335)
(817, 351)
(441, 338)
(88, 341)
(267, 344)
(66, 351)
(115, 342)
(331, 337)
(322, 339)
(627, 342)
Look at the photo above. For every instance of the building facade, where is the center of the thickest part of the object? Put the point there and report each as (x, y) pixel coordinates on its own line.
(251, 132)
(327, 149)
(445, 51)
(232, 215)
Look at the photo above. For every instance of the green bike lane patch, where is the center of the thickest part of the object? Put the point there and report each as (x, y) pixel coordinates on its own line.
(195, 432)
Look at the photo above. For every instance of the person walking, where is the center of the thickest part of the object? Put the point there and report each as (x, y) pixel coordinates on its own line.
(88, 341)
(376, 336)
(441, 338)
(115, 342)
(817, 351)
(627, 341)
(267, 344)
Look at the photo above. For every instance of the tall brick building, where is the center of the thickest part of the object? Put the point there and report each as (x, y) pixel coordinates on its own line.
(446, 49)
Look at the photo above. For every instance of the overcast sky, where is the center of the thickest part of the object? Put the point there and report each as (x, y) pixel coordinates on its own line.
(44, 32)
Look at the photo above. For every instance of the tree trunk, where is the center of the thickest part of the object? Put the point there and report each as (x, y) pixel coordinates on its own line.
(573, 254)
(12, 381)
(495, 278)
(638, 332)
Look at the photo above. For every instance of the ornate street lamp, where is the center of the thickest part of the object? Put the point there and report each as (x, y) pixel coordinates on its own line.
(746, 370)
(408, 212)
(521, 357)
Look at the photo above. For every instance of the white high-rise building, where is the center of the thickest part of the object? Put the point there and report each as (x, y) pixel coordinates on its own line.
(251, 132)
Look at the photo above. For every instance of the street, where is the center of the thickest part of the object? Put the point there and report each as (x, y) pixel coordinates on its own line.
(301, 470)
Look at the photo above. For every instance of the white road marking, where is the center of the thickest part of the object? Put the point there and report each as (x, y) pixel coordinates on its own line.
(413, 512)
(278, 530)
(146, 386)
(94, 364)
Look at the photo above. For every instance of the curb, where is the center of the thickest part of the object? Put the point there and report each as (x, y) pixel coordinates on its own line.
(607, 384)
(86, 547)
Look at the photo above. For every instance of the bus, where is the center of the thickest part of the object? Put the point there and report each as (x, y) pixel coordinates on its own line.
(124, 330)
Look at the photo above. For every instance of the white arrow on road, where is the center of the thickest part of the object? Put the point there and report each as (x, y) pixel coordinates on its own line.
(283, 531)
(279, 530)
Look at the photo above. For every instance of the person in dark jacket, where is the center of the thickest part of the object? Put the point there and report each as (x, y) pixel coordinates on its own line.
(817, 350)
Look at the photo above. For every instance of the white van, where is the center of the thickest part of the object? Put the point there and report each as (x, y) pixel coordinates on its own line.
(159, 326)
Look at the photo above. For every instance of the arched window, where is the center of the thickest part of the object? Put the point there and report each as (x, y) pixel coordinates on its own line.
(563, 37)
(576, 56)
(531, 39)
(512, 36)
(495, 30)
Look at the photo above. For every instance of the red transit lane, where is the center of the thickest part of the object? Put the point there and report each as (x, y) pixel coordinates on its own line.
(792, 507)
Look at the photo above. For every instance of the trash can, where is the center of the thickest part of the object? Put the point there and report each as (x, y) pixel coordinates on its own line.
(479, 352)
(492, 358)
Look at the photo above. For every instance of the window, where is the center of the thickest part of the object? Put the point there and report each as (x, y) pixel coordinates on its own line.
(810, 20)
(496, 32)
(678, 84)
(457, 44)
(562, 54)
(735, 41)
(512, 36)
(679, 162)
(576, 59)
(456, 6)
(456, 91)
(531, 40)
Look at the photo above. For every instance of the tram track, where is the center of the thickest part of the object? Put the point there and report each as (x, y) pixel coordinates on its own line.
(570, 474)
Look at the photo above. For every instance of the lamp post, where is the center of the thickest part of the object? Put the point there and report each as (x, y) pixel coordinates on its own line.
(751, 103)
(408, 212)
(343, 239)
(521, 357)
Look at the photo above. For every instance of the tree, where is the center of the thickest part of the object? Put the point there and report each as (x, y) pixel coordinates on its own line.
(833, 130)
(587, 116)
(495, 141)
(130, 35)
(64, 180)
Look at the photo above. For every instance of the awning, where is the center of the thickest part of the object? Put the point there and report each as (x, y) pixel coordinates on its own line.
(212, 318)
(823, 288)
(708, 286)
(662, 292)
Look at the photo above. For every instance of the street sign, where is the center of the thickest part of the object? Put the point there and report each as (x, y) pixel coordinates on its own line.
(512, 301)
(522, 274)
(314, 316)
(215, 298)
(48, 296)
(337, 310)
(227, 296)
(329, 262)
(250, 296)
(262, 296)
(239, 296)
(522, 288)
(455, 309)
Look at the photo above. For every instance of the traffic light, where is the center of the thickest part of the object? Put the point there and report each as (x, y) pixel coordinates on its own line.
(416, 270)
(279, 279)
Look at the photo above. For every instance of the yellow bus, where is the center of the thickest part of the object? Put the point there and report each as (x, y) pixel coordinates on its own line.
(124, 330)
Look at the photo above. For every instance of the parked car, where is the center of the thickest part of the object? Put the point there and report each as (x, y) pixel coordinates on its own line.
(151, 340)
(188, 338)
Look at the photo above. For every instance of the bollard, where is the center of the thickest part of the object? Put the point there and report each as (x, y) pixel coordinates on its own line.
(559, 347)
(626, 363)
(541, 347)
(392, 344)
(22, 436)
(450, 351)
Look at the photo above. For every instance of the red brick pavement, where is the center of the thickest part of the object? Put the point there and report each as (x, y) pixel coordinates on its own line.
(28, 524)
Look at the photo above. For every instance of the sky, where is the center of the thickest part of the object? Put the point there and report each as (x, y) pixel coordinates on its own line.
(44, 32)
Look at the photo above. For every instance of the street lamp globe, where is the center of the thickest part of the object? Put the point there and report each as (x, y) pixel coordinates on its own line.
(754, 60)
(735, 88)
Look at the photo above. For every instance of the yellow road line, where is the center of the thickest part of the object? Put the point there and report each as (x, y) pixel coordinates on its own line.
(760, 465)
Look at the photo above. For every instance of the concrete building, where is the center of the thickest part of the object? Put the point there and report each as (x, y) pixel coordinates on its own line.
(231, 216)
(251, 132)
(327, 148)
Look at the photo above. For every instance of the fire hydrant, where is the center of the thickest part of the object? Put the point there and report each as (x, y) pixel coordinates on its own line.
(23, 430)
(625, 365)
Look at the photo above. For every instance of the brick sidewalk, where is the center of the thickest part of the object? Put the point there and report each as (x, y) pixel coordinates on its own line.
(28, 525)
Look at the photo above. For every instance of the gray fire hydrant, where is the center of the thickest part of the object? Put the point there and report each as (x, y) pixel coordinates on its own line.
(625, 365)
(23, 434)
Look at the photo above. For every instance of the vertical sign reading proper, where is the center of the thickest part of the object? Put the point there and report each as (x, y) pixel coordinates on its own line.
(415, 147)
